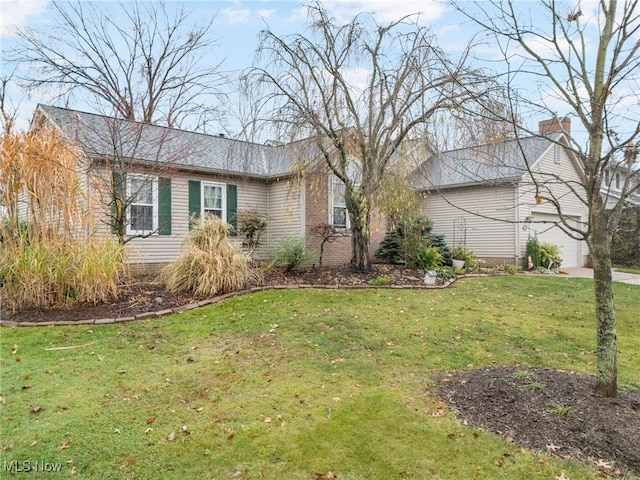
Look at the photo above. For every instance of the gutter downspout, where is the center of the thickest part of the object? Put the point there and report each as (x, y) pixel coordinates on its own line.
(517, 223)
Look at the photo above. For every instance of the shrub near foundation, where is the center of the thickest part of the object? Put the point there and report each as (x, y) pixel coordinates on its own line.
(209, 265)
(55, 273)
(48, 254)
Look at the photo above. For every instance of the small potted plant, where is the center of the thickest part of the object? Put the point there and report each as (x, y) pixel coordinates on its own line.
(550, 256)
(462, 257)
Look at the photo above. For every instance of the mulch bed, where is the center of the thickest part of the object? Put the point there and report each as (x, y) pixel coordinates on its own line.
(604, 433)
(142, 295)
(551, 411)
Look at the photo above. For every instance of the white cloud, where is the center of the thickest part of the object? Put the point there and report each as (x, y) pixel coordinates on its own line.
(15, 13)
(235, 16)
(358, 78)
(298, 14)
(386, 10)
(266, 13)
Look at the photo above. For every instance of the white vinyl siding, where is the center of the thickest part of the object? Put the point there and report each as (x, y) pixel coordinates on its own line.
(252, 195)
(165, 248)
(285, 211)
(488, 213)
(572, 206)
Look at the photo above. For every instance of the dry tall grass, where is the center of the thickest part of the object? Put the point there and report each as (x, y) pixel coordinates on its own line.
(49, 257)
(209, 265)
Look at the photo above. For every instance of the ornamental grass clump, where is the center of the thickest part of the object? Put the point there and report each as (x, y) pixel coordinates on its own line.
(209, 265)
(49, 256)
(61, 273)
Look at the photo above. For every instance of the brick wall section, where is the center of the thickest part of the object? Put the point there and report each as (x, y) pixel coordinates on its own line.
(555, 125)
(338, 252)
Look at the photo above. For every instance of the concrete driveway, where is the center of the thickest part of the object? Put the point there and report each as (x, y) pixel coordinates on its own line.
(630, 278)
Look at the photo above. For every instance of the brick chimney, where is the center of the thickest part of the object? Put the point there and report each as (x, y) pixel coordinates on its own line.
(553, 125)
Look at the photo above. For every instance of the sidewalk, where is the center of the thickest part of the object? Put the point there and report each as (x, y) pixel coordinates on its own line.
(617, 276)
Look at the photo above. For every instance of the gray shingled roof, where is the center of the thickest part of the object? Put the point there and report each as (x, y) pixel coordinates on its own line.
(104, 136)
(483, 164)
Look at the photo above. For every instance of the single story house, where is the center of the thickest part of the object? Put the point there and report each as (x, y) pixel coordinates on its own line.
(491, 198)
(482, 197)
(170, 176)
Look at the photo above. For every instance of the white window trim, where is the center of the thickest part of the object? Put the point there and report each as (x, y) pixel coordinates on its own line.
(332, 181)
(556, 154)
(154, 205)
(224, 198)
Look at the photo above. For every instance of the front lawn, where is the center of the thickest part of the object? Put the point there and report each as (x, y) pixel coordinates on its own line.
(287, 384)
(635, 271)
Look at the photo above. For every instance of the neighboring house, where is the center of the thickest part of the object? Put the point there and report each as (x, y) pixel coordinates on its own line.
(484, 197)
(615, 182)
(175, 176)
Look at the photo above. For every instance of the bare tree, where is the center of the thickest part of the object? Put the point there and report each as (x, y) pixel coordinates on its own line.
(488, 122)
(129, 171)
(328, 234)
(8, 110)
(358, 91)
(128, 167)
(149, 68)
(589, 64)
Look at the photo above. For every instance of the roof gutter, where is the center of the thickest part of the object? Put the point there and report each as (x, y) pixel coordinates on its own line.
(480, 183)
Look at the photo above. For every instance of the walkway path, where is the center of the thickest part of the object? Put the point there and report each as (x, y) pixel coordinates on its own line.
(630, 278)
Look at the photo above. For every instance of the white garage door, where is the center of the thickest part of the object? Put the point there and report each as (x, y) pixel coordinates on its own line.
(570, 249)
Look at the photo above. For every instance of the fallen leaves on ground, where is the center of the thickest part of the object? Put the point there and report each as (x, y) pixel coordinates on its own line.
(172, 436)
(325, 476)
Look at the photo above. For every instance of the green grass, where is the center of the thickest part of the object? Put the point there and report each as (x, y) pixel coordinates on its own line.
(286, 383)
(561, 409)
(635, 271)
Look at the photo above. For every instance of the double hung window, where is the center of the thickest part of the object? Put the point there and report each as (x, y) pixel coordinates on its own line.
(213, 200)
(142, 192)
(338, 208)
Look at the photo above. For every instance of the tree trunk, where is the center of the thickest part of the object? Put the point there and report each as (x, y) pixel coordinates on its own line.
(360, 245)
(607, 350)
(360, 238)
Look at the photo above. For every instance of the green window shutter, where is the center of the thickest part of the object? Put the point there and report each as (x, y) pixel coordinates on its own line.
(194, 201)
(164, 206)
(232, 208)
(118, 202)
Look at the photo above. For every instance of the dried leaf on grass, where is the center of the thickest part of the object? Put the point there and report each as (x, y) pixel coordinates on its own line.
(70, 347)
(172, 436)
(325, 476)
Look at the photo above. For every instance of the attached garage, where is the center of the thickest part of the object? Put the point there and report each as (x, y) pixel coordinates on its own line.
(570, 249)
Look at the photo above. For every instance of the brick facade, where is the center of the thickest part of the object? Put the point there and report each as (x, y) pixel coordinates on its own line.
(338, 251)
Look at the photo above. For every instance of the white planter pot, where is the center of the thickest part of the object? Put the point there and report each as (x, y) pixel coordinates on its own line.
(458, 264)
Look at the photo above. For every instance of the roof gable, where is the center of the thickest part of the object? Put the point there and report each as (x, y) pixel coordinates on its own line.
(491, 163)
(102, 136)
